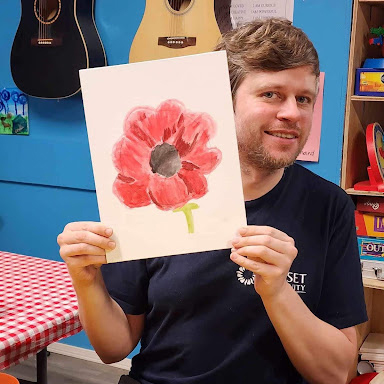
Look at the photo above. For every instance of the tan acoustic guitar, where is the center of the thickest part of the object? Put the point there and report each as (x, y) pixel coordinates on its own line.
(171, 28)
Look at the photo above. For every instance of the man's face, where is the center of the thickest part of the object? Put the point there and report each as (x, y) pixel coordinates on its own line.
(273, 115)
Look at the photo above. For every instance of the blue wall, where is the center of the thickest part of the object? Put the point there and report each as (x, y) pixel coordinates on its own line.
(46, 178)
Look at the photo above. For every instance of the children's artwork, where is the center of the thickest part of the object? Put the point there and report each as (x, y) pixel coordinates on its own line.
(13, 112)
(165, 159)
(311, 149)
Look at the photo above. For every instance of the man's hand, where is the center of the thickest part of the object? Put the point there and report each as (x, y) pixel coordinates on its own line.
(82, 247)
(268, 253)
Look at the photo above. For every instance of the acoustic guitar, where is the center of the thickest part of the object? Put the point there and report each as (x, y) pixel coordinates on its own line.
(171, 28)
(54, 40)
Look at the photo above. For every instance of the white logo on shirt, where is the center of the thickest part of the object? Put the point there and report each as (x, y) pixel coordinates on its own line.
(245, 277)
(296, 280)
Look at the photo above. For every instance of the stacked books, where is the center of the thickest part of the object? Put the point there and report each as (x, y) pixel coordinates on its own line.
(372, 350)
(369, 217)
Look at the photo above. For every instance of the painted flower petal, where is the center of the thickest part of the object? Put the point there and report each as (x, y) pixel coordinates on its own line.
(205, 160)
(133, 195)
(168, 193)
(194, 131)
(195, 182)
(167, 117)
(152, 126)
(131, 158)
(136, 125)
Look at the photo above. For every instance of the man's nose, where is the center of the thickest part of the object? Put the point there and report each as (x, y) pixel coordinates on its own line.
(289, 110)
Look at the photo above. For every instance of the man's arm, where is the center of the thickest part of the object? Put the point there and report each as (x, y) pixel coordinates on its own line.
(321, 353)
(112, 333)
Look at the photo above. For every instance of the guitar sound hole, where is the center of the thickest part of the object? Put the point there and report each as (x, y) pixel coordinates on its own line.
(179, 5)
(47, 10)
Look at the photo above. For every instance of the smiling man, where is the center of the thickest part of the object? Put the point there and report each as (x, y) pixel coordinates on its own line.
(280, 307)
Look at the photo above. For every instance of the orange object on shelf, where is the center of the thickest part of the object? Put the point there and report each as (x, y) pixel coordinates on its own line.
(8, 379)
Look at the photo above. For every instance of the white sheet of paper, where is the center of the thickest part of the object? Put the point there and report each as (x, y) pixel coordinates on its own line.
(201, 84)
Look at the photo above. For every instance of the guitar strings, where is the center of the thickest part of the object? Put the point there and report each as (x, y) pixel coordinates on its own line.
(44, 25)
(38, 19)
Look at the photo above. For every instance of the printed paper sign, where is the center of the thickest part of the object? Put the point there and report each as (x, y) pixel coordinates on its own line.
(231, 14)
(311, 149)
(243, 11)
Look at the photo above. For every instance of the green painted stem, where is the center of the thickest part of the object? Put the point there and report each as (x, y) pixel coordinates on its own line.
(187, 210)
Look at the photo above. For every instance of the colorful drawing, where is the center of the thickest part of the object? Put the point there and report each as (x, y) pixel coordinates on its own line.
(163, 158)
(13, 112)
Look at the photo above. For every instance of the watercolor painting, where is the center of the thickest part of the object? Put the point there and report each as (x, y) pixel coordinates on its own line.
(165, 162)
(163, 158)
(13, 112)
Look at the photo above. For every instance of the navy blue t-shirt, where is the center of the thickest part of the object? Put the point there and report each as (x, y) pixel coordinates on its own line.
(206, 324)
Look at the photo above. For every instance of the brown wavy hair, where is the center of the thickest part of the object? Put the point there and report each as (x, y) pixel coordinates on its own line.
(266, 45)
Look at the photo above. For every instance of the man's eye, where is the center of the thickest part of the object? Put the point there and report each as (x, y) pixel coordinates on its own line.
(268, 95)
(303, 100)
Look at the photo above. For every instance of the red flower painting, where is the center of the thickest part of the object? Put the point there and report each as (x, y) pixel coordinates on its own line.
(163, 156)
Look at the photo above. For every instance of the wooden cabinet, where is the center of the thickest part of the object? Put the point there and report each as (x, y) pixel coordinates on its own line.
(361, 111)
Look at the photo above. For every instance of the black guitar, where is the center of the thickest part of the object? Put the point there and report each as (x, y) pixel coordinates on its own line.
(54, 40)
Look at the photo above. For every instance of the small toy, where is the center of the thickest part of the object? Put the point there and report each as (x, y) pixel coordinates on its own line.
(379, 32)
(370, 78)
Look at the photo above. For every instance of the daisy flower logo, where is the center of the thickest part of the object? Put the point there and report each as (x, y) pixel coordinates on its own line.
(245, 277)
(163, 158)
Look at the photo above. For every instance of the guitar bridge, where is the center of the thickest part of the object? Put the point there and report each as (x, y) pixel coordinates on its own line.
(177, 42)
(50, 42)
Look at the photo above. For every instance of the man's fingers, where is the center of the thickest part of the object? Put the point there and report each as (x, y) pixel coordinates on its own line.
(90, 226)
(258, 268)
(85, 237)
(80, 249)
(262, 254)
(254, 230)
(87, 260)
(267, 241)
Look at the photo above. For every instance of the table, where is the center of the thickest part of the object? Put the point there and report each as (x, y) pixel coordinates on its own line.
(38, 306)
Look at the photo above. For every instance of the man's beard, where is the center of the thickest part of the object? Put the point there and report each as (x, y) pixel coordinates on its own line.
(258, 157)
(255, 155)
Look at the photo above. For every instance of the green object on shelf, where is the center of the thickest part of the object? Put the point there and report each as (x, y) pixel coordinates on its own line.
(377, 31)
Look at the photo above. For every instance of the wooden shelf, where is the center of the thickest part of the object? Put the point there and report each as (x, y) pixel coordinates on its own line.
(373, 283)
(360, 111)
(372, 2)
(367, 98)
(352, 191)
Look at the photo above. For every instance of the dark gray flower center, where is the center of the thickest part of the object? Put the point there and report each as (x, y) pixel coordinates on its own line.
(165, 160)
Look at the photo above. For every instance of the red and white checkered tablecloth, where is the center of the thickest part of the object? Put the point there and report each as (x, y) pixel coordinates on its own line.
(38, 306)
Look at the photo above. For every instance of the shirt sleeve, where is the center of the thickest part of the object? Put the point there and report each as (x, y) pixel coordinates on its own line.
(342, 302)
(127, 284)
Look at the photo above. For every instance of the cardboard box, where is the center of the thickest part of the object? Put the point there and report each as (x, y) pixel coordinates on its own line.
(369, 224)
(369, 82)
(371, 248)
(370, 204)
(371, 257)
